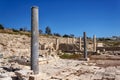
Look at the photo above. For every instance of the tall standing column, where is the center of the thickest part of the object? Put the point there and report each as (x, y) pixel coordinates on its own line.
(94, 43)
(85, 45)
(34, 40)
(80, 43)
(73, 43)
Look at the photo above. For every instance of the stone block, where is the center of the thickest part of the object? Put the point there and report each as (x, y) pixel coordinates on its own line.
(6, 78)
(117, 72)
(22, 74)
(97, 76)
(40, 76)
(117, 77)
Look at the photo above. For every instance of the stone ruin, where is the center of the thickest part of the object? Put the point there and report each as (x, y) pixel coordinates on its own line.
(15, 61)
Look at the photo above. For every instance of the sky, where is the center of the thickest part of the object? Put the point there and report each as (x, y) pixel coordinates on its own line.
(95, 17)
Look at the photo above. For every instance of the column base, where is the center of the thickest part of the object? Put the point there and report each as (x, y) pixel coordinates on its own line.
(84, 59)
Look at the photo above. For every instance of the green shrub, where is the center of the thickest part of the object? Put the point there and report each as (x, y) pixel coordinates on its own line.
(1, 26)
(14, 30)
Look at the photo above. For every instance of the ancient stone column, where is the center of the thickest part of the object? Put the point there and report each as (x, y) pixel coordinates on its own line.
(73, 40)
(94, 43)
(34, 40)
(85, 45)
(57, 43)
(68, 40)
(80, 43)
(68, 44)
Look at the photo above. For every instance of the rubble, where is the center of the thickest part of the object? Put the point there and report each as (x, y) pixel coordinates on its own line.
(61, 69)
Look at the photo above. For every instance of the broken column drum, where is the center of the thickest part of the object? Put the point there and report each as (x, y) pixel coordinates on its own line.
(34, 40)
(85, 45)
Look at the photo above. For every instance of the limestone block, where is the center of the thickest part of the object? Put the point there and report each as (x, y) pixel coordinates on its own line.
(40, 76)
(97, 76)
(6, 78)
(117, 77)
(86, 76)
(117, 72)
(22, 74)
(109, 76)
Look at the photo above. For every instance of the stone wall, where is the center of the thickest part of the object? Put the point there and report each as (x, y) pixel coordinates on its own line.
(11, 44)
(53, 40)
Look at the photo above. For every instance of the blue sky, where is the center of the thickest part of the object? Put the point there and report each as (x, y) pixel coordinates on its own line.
(95, 17)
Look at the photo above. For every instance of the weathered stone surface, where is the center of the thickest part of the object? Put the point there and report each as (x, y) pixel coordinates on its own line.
(117, 72)
(6, 78)
(23, 74)
(117, 77)
(41, 76)
(85, 76)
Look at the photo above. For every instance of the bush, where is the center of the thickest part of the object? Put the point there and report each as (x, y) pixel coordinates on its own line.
(57, 34)
(1, 26)
(65, 35)
(14, 30)
(48, 30)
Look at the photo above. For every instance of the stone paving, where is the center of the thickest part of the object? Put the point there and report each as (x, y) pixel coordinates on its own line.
(79, 70)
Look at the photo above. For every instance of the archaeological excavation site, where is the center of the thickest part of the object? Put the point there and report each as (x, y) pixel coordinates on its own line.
(31, 56)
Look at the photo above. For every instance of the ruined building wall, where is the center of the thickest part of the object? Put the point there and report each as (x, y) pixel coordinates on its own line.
(53, 40)
(11, 44)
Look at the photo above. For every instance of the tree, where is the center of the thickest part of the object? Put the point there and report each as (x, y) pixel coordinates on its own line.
(65, 35)
(40, 31)
(57, 34)
(48, 30)
(1, 26)
(21, 29)
(71, 35)
(15, 30)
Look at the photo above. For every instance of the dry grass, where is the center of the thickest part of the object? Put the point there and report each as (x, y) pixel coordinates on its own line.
(105, 60)
(71, 56)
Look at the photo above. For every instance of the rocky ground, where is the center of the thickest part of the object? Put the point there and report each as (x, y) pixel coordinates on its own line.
(61, 69)
(79, 70)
